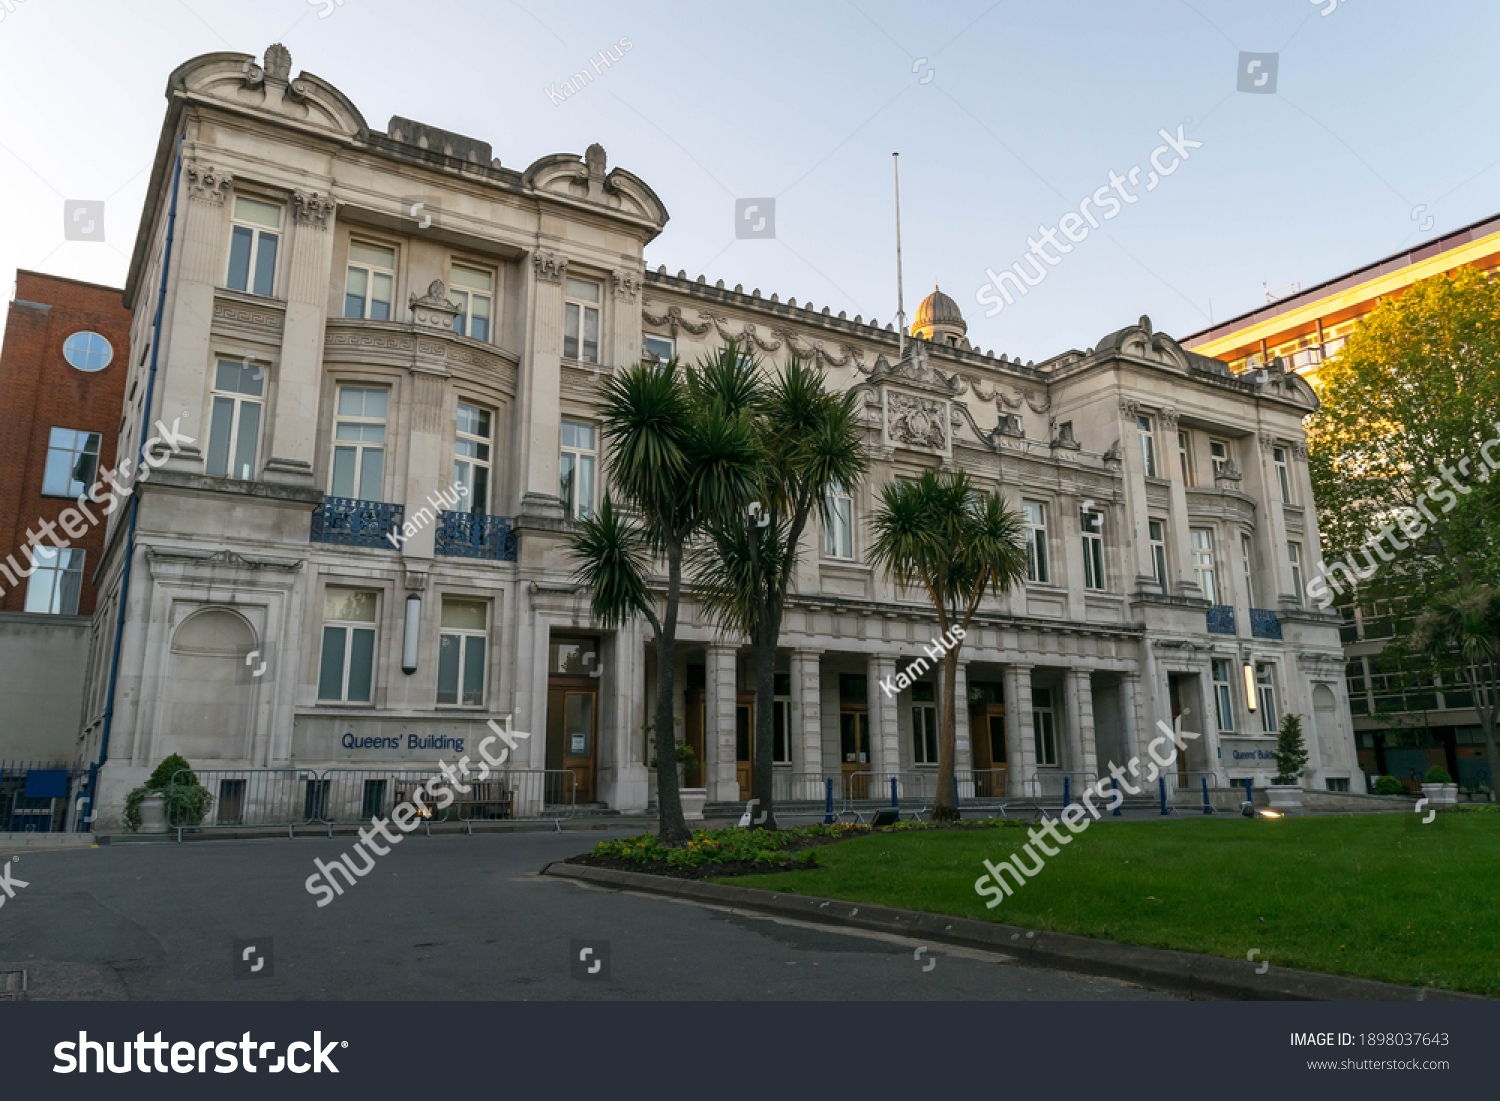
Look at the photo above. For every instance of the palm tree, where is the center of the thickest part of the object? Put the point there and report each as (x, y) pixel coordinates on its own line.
(947, 536)
(1461, 630)
(810, 442)
(681, 450)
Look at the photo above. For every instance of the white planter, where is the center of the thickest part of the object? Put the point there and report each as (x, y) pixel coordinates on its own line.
(154, 813)
(1285, 796)
(1439, 795)
(692, 803)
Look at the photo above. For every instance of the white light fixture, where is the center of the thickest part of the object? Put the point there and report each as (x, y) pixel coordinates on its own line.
(409, 637)
(1250, 701)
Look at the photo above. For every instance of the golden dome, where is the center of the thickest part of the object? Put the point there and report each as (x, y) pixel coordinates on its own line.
(938, 318)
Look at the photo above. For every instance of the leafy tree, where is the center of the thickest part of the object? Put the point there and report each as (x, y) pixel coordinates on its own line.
(1291, 751)
(1460, 633)
(809, 443)
(680, 451)
(944, 535)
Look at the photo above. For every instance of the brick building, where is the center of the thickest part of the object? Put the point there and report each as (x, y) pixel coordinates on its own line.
(62, 384)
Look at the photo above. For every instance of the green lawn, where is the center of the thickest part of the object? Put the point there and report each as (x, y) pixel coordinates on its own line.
(1377, 896)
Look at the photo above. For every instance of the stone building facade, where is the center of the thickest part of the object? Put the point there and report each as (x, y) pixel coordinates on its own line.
(387, 348)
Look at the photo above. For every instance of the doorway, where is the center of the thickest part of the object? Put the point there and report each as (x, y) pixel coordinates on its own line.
(692, 735)
(572, 719)
(854, 750)
(987, 725)
(744, 740)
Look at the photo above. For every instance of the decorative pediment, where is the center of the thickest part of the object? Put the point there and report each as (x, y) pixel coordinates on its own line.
(586, 179)
(915, 370)
(236, 79)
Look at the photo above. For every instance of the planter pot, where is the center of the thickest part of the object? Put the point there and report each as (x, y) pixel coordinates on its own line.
(692, 803)
(1439, 795)
(154, 813)
(1285, 796)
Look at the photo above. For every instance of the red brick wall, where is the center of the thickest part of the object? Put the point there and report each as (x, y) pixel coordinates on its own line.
(40, 390)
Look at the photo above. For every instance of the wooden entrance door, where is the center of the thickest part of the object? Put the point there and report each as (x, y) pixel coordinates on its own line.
(744, 740)
(854, 749)
(987, 734)
(572, 736)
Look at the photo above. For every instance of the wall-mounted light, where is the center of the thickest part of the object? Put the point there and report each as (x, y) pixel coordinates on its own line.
(409, 637)
(1250, 700)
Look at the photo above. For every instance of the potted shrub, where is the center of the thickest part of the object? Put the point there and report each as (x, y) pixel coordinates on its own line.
(1438, 787)
(1291, 758)
(693, 799)
(147, 809)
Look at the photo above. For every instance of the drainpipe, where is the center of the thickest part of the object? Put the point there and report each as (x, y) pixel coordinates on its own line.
(135, 500)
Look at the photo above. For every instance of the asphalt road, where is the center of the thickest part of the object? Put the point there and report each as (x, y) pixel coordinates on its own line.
(444, 918)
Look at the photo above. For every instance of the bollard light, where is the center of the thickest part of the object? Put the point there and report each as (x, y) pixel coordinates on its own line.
(409, 636)
(1250, 686)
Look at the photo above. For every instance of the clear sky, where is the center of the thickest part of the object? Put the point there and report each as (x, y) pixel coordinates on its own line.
(1007, 116)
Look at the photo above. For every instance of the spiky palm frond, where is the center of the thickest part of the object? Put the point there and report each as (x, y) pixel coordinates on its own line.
(612, 554)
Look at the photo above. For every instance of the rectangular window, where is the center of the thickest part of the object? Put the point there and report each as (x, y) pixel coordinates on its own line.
(1185, 458)
(54, 588)
(659, 349)
(234, 425)
(1294, 553)
(472, 290)
(471, 458)
(1283, 477)
(369, 286)
(924, 723)
(1034, 513)
(359, 443)
(1202, 540)
(252, 246)
(1148, 445)
(838, 524)
(781, 721)
(1158, 532)
(1043, 726)
(1337, 784)
(581, 320)
(1246, 561)
(1218, 450)
(1223, 696)
(1092, 524)
(576, 469)
(461, 644)
(72, 461)
(346, 673)
(1265, 688)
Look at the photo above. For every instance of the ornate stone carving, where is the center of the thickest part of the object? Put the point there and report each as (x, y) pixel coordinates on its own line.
(1130, 407)
(433, 310)
(914, 421)
(550, 267)
(1167, 417)
(258, 318)
(1062, 435)
(1267, 442)
(312, 209)
(627, 284)
(278, 64)
(915, 368)
(206, 183)
(1300, 451)
(1228, 473)
(674, 320)
(748, 334)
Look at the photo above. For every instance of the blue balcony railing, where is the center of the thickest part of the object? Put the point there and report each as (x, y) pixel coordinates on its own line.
(1221, 619)
(470, 535)
(352, 523)
(1264, 624)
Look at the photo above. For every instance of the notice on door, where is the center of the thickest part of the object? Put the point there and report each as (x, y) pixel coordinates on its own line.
(578, 746)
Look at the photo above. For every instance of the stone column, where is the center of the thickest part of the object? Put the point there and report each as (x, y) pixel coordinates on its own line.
(1020, 744)
(1135, 495)
(1130, 714)
(1175, 526)
(539, 416)
(718, 735)
(1078, 696)
(885, 746)
(806, 730)
(1275, 576)
(626, 323)
(963, 750)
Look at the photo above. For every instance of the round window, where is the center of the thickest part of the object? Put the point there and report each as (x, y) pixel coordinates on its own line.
(88, 351)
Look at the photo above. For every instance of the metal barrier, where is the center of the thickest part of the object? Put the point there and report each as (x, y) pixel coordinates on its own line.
(866, 792)
(1190, 791)
(35, 796)
(353, 796)
(1054, 784)
(802, 794)
(980, 789)
(255, 797)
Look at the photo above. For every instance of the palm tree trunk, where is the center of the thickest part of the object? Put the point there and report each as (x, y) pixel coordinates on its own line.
(671, 826)
(945, 806)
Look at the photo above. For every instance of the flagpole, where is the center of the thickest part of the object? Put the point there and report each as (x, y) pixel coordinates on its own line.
(900, 301)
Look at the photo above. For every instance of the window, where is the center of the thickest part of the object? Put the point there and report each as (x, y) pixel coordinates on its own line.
(1185, 458)
(1202, 540)
(471, 458)
(359, 443)
(659, 348)
(576, 469)
(72, 461)
(234, 425)
(1043, 726)
(1223, 697)
(1278, 456)
(924, 723)
(252, 246)
(1337, 784)
(1035, 516)
(1158, 533)
(461, 653)
(1148, 446)
(1294, 553)
(1245, 564)
(1265, 689)
(781, 721)
(369, 286)
(838, 524)
(88, 351)
(581, 320)
(473, 292)
(347, 671)
(1093, 549)
(55, 586)
(1218, 450)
